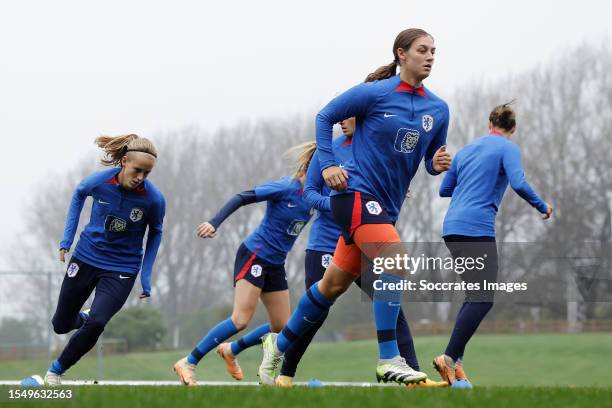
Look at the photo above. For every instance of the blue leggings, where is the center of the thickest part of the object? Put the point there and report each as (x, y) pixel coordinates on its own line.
(112, 290)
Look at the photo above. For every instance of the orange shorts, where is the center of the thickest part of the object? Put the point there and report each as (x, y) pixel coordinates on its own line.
(348, 257)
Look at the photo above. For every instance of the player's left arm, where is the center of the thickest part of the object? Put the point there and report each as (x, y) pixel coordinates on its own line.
(154, 237)
(511, 161)
(437, 159)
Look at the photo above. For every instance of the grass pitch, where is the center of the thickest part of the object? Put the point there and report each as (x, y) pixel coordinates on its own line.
(491, 360)
(170, 396)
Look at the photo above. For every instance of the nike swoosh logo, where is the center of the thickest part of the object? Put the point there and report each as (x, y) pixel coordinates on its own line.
(103, 202)
(291, 205)
(386, 115)
(217, 341)
(123, 277)
(308, 321)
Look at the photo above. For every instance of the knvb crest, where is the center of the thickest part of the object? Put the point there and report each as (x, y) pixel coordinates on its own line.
(406, 140)
(136, 214)
(72, 270)
(256, 271)
(427, 122)
(373, 207)
(326, 260)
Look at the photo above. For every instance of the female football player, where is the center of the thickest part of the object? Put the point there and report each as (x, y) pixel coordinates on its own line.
(476, 181)
(259, 270)
(109, 253)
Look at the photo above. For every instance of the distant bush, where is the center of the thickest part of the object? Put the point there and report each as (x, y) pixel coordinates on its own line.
(142, 327)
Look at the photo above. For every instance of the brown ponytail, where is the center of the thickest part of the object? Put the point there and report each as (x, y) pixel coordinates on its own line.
(403, 40)
(115, 147)
(503, 116)
(386, 71)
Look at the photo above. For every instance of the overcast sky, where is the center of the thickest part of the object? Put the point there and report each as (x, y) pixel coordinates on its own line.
(72, 70)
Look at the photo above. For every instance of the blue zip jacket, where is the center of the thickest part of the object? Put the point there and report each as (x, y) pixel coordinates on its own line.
(397, 126)
(286, 215)
(324, 232)
(113, 238)
(477, 181)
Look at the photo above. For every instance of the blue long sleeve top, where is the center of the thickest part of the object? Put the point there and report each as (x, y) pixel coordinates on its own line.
(286, 215)
(477, 180)
(113, 238)
(397, 126)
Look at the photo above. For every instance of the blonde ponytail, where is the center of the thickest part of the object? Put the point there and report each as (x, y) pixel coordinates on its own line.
(115, 147)
(302, 153)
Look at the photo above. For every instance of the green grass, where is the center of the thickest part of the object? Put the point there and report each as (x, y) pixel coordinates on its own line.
(491, 360)
(117, 397)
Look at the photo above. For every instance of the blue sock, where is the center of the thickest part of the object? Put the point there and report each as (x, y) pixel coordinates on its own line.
(311, 307)
(214, 337)
(56, 368)
(468, 320)
(405, 342)
(386, 310)
(250, 339)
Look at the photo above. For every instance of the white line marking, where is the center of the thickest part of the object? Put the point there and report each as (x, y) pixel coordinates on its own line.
(207, 383)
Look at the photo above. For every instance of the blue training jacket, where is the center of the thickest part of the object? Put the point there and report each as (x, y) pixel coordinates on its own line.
(477, 181)
(324, 232)
(113, 239)
(286, 215)
(397, 126)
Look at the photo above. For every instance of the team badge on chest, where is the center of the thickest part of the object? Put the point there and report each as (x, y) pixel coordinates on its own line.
(115, 224)
(427, 122)
(136, 214)
(295, 227)
(406, 140)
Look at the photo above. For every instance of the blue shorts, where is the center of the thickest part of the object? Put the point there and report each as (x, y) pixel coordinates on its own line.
(316, 262)
(261, 273)
(353, 209)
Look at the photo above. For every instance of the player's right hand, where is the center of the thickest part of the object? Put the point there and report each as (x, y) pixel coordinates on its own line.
(63, 252)
(335, 177)
(206, 230)
(549, 211)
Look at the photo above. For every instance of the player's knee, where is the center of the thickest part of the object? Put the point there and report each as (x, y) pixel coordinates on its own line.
(483, 304)
(60, 327)
(241, 320)
(276, 327)
(332, 289)
(95, 325)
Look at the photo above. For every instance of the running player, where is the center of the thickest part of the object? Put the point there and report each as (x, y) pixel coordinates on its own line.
(477, 181)
(259, 270)
(108, 255)
(322, 239)
(399, 123)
